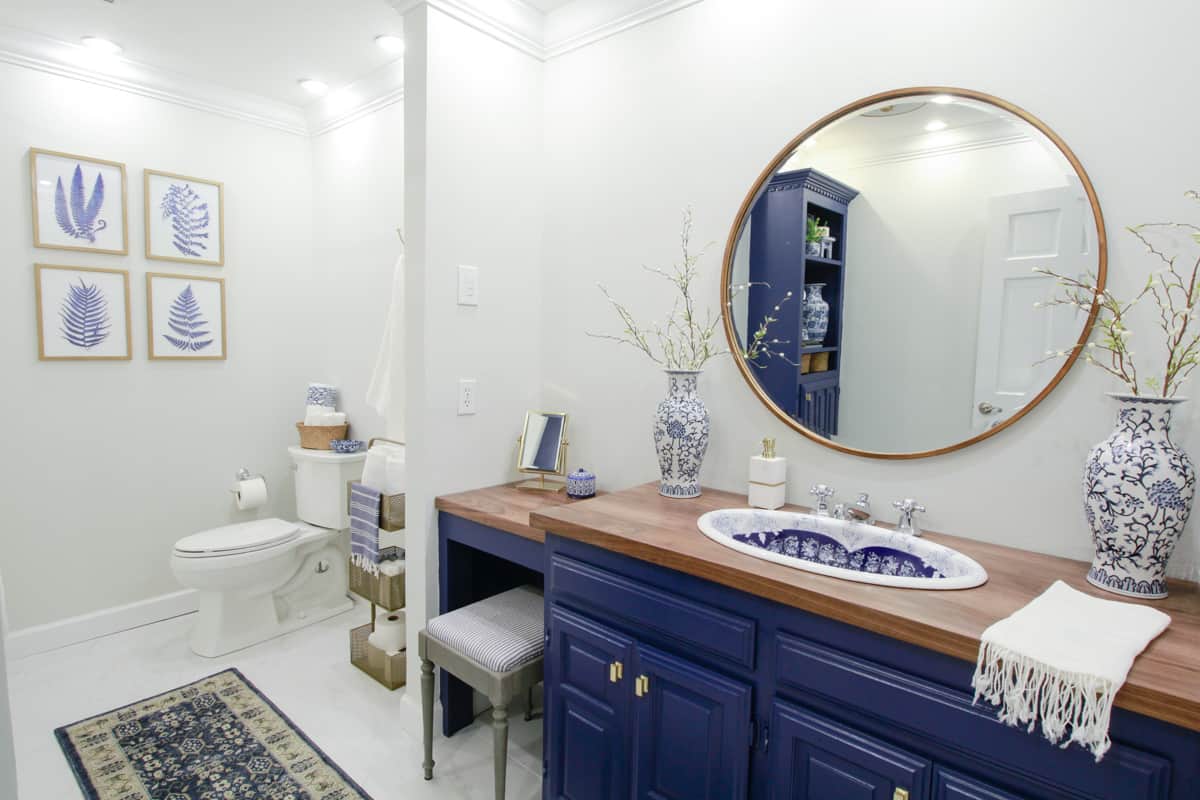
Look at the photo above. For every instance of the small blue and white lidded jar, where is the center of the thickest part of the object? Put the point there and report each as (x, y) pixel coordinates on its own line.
(581, 484)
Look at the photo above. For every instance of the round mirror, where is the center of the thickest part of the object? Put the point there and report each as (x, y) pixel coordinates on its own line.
(880, 282)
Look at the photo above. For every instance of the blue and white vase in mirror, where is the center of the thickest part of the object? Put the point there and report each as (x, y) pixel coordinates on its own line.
(1137, 493)
(816, 316)
(681, 428)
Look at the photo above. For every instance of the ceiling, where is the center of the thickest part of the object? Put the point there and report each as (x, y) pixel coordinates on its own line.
(546, 6)
(259, 46)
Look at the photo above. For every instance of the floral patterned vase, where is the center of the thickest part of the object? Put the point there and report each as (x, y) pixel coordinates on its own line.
(681, 435)
(1137, 494)
(816, 316)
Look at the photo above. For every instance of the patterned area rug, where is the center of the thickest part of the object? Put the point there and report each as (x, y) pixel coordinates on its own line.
(216, 739)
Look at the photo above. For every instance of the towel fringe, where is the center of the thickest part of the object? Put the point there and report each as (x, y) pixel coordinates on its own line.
(364, 563)
(1027, 690)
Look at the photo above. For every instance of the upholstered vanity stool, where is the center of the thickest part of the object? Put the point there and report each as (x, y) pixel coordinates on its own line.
(496, 646)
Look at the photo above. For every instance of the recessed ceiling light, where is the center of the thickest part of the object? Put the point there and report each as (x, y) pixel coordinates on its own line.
(101, 45)
(935, 125)
(942, 99)
(313, 87)
(390, 44)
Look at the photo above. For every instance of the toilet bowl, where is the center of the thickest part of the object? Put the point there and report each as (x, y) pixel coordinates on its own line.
(261, 579)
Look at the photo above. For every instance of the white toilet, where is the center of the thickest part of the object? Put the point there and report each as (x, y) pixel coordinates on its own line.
(261, 579)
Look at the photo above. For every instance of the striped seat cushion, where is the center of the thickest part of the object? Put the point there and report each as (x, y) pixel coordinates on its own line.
(499, 633)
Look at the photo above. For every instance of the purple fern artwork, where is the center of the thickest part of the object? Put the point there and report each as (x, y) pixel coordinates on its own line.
(78, 216)
(188, 213)
(189, 324)
(84, 315)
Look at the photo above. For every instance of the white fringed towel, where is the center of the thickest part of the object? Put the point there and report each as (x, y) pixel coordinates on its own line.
(1062, 659)
(390, 360)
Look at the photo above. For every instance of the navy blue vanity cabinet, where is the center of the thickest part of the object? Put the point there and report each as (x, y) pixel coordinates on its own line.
(723, 694)
(587, 714)
(779, 264)
(815, 758)
(691, 730)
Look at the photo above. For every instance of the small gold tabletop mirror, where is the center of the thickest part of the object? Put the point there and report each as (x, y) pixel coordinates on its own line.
(542, 451)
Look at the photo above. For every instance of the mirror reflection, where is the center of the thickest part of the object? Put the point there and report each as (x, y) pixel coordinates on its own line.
(542, 442)
(881, 285)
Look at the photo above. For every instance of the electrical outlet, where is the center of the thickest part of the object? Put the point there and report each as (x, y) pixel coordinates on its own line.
(468, 286)
(468, 396)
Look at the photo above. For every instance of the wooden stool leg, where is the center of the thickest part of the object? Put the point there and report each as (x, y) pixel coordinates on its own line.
(427, 714)
(529, 706)
(500, 746)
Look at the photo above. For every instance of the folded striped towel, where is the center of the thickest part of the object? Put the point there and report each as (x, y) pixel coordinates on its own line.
(364, 527)
(1061, 660)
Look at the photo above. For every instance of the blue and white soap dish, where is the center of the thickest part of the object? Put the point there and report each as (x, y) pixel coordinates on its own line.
(346, 445)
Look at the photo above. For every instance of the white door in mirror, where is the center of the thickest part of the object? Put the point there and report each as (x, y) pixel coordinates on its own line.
(1044, 229)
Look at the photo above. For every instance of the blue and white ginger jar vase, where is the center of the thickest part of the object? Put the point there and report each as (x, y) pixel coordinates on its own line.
(681, 427)
(1137, 494)
(816, 316)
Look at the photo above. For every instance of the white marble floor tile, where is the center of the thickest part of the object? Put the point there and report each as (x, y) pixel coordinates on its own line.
(371, 733)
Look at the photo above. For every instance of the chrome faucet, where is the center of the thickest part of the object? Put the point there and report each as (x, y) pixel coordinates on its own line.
(907, 508)
(822, 493)
(860, 510)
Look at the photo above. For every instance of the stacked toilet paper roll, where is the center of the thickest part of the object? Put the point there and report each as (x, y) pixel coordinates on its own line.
(388, 635)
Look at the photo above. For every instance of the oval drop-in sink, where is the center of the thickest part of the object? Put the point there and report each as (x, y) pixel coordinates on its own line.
(853, 551)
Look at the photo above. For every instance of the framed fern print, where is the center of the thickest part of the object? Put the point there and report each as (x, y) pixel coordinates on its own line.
(186, 317)
(78, 203)
(82, 313)
(185, 219)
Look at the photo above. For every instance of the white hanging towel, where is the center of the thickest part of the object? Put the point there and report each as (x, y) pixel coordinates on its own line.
(390, 360)
(1062, 659)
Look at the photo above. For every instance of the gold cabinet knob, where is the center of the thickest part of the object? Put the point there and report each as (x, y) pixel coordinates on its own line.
(616, 671)
(900, 794)
(641, 686)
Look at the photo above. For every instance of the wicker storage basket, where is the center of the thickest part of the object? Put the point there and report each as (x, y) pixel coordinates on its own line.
(388, 670)
(318, 437)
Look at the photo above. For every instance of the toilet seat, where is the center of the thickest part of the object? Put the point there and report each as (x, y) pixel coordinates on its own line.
(243, 537)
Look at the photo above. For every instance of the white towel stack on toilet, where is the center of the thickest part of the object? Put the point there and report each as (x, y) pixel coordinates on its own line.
(321, 406)
(385, 469)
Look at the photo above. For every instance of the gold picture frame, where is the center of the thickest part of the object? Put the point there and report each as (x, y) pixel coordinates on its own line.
(158, 225)
(192, 348)
(66, 238)
(48, 348)
(560, 457)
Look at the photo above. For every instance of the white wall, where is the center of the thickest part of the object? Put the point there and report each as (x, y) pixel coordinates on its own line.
(689, 108)
(111, 463)
(8, 759)
(473, 133)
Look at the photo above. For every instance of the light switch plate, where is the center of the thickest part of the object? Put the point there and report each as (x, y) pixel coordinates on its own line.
(468, 396)
(468, 285)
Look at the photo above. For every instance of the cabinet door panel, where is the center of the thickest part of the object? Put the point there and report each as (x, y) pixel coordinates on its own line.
(693, 731)
(814, 758)
(949, 785)
(586, 712)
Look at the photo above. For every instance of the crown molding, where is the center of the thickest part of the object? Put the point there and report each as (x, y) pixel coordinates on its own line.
(376, 91)
(50, 56)
(548, 36)
(943, 150)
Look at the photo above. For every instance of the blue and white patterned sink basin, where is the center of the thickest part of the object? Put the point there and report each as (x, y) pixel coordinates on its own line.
(853, 551)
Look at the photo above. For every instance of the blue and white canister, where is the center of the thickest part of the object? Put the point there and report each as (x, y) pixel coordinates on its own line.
(322, 394)
(581, 484)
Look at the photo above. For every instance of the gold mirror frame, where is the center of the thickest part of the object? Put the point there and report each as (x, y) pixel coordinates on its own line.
(786, 153)
(560, 463)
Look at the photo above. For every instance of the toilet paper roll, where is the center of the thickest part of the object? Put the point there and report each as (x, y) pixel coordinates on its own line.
(250, 493)
(389, 633)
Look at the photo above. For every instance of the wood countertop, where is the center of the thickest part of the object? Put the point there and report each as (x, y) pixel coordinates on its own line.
(504, 507)
(1164, 682)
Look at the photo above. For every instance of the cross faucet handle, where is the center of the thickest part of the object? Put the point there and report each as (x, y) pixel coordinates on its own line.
(907, 508)
(822, 493)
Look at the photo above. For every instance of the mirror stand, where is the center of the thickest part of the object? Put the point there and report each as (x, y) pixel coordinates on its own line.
(556, 482)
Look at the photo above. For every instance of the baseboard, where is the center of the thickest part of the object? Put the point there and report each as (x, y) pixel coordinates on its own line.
(73, 630)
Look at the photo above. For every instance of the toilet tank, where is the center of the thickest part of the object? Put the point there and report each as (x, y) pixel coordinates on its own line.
(321, 478)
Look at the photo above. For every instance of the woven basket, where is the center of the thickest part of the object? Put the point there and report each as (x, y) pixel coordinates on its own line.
(318, 437)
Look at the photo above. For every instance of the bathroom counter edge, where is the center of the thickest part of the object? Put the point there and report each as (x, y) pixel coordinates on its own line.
(638, 522)
(504, 507)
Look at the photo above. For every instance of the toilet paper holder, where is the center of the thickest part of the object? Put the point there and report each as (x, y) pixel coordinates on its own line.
(244, 474)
